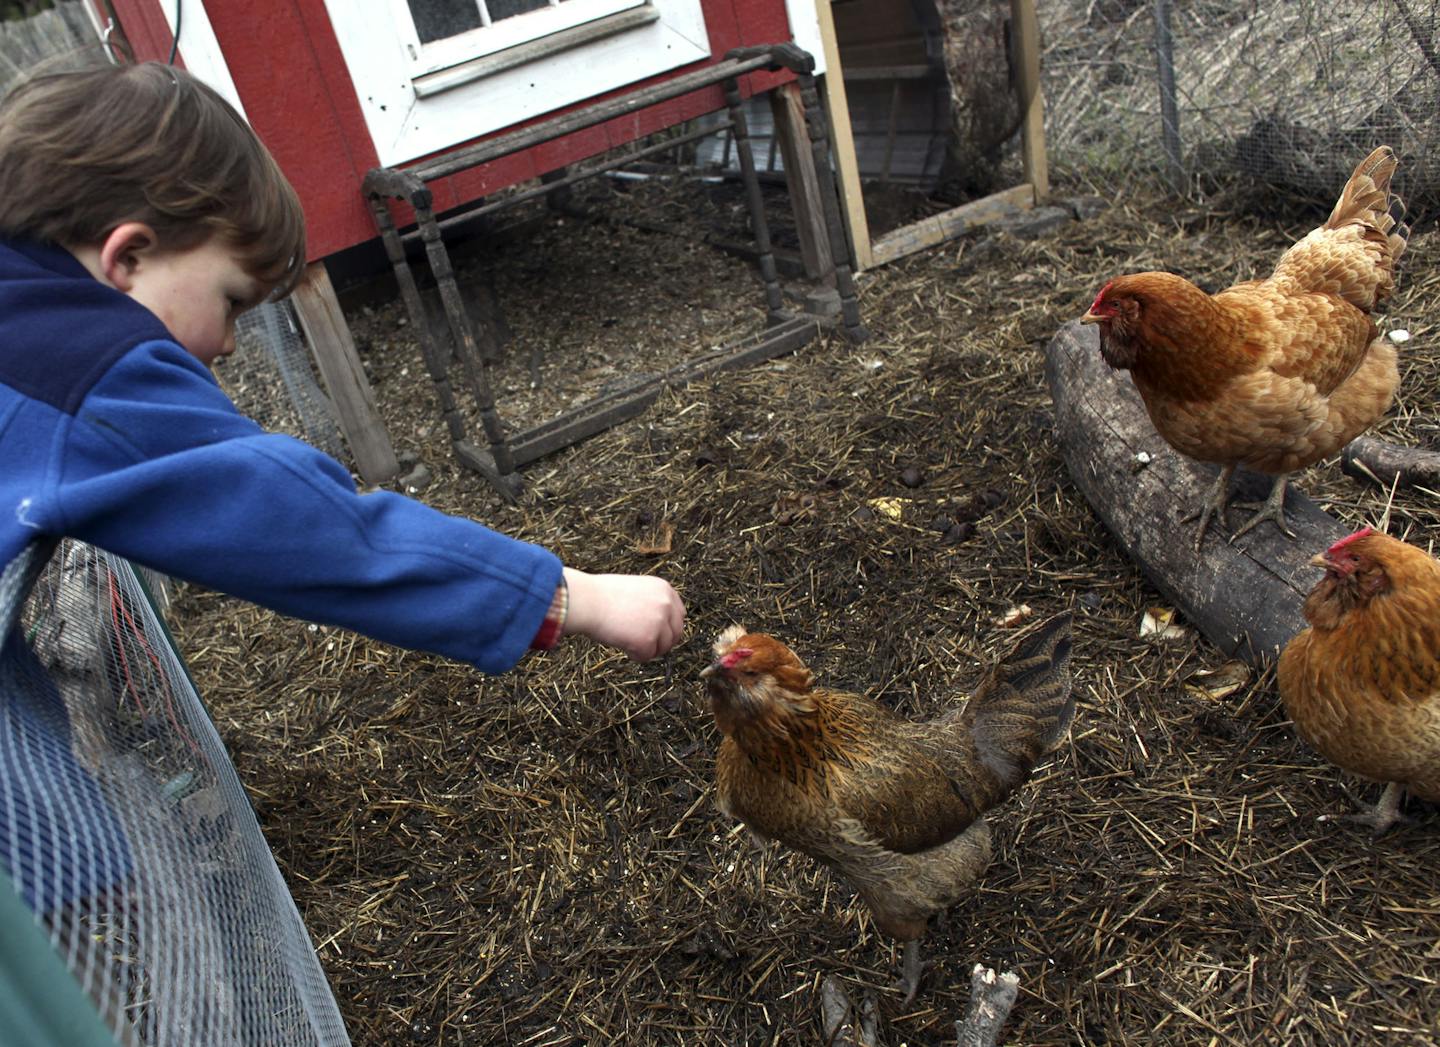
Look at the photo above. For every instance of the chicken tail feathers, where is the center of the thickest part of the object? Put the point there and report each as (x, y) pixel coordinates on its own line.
(1355, 253)
(1023, 708)
(1366, 196)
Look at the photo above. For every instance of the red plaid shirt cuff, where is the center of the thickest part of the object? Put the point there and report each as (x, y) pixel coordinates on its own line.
(554, 623)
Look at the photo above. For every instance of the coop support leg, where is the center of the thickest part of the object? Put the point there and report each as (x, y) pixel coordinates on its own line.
(818, 128)
(464, 342)
(435, 358)
(803, 183)
(558, 198)
(774, 300)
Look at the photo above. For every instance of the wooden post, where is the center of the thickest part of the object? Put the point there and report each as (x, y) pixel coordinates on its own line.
(1027, 68)
(842, 141)
(339, 364)
(804, 184)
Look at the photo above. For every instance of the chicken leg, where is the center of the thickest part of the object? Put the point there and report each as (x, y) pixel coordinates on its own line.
(910, 968)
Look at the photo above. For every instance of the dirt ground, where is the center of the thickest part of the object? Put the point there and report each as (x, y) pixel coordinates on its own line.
(536, 858)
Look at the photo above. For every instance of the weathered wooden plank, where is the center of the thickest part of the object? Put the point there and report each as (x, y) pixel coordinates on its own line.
(339, 364)
(1026, 35)
(842, 142)
(1244, 596)
(802, 180)
(949, 224)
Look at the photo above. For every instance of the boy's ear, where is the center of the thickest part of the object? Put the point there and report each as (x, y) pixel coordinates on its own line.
(124, 251)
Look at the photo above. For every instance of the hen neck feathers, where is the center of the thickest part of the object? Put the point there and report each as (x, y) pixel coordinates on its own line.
(800, 741)
(1178, 342)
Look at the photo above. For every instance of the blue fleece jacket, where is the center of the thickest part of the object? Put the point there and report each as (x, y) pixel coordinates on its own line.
(112, 433)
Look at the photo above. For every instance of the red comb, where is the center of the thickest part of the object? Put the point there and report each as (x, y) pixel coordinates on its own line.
(739, 654)
(1099, 296)
(1343, 542)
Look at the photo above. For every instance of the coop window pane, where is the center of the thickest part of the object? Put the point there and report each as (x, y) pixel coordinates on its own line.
(509, 8)
(437, 19)
(441, 19)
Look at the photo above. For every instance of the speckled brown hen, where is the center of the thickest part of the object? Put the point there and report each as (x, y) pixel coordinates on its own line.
(895, 808)
(1362, 683)
(1272, 374)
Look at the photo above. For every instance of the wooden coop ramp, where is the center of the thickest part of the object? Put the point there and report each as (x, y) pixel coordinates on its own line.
(861, 59)
(457, 337)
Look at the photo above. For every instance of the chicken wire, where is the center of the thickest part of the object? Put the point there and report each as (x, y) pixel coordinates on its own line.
(1290, 95)
(270, 379)
(125, 830)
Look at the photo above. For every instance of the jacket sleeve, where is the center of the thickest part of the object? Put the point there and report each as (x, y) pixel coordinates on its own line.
(159, 467)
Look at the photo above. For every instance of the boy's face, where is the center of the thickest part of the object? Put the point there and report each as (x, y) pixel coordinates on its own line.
(197, 293)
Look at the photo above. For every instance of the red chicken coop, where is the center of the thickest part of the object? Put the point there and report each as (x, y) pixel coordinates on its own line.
(407, 119)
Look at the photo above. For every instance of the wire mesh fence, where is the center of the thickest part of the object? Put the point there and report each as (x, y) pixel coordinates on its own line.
(124, 828)
(1289, 95)
(271, 378)
(62, 37)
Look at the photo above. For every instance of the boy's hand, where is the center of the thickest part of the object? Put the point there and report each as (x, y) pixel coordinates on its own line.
(638, 613)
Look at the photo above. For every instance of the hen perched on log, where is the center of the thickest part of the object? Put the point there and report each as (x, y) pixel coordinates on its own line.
(1273, 374)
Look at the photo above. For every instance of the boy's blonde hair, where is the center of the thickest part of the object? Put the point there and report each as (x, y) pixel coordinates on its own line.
(83, 151)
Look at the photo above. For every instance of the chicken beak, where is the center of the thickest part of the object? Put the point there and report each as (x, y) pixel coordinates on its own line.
(1321, 561)
(1090, 318)
(709, 670)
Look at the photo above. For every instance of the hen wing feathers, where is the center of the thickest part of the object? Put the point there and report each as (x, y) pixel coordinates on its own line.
(929, 781)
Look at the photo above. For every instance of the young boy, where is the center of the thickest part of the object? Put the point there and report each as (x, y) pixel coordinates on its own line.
(139, 216)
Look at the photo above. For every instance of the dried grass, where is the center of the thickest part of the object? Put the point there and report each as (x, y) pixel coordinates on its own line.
(535, 859)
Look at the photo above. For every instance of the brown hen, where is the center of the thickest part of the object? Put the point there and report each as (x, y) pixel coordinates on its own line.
(1362, 683)
(895, 808)
(1272, 374)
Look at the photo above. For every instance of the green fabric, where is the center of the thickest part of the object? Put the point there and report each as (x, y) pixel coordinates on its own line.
(41, 1005)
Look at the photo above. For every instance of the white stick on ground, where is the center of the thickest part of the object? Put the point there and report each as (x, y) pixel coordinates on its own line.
(991, 997)
(843, 1028)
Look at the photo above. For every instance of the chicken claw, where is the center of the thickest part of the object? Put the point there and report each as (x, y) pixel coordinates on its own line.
(1215, 504)
(844, 1024)
(1379, 816)
(1272, 508)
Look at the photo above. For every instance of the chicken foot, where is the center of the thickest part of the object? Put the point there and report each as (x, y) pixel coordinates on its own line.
(843, 1026)
(1272, 508)
(1215, 504)
(1380, 816)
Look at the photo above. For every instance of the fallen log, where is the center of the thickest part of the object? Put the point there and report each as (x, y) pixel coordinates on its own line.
(1387, 464)
(1243, 595)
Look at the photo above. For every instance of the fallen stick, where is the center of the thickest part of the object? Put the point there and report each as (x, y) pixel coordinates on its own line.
(991, 997)
(837, 1016)
(1381, 462)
